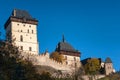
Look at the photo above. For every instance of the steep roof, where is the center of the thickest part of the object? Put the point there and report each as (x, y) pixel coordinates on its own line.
(21, 14)
(64, 46)
(108, 60)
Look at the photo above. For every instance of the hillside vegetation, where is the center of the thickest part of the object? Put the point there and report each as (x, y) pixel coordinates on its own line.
(14, 67)
(115, 76)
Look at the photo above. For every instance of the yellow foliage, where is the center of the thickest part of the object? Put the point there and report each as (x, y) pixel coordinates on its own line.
(57, 57)
(92, 66)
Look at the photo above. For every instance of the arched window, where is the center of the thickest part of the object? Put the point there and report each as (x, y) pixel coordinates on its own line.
(21, 38)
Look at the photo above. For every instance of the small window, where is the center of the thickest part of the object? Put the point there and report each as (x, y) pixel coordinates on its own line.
(74, 58)
(30, 49)
(30, 26)
(28, 31)
(21, 47)
(18, 24)
(24, 25)
(32, 31)
(66, 57)
(75, 64)
(21, 31)
(66, 62)
(21, 38)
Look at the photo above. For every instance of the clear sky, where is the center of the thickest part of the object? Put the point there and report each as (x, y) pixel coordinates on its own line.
(90, 26)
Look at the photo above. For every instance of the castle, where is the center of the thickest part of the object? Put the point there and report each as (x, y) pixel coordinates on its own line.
(22, 28)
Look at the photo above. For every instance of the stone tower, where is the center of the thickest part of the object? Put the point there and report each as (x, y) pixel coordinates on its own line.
(22, 28)
(108, 66)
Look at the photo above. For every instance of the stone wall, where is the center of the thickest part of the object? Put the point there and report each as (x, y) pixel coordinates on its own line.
(44, 59)
(95, 77)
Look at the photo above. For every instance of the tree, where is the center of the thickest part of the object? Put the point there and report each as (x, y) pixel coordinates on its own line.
(57, 57)
(12, 66)
(92, 67)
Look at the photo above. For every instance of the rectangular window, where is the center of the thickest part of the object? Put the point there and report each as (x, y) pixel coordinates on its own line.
(21, 47)
(21, 38)
(65, 57)
(32, 31)
(74, 58)
(30, 49)
(28, 31)
(75, 64)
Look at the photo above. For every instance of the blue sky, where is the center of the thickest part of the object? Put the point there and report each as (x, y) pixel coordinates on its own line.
(90, 26)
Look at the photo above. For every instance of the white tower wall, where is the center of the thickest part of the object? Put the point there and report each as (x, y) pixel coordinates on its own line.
(23, 31)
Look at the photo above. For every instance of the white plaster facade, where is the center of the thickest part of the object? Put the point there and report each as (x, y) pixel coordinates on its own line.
(72, 60)
(28, 32)
(108, 68)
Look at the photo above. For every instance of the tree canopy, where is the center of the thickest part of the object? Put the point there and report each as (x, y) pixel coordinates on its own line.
(58, 57)
(92, 67)
(12, 66)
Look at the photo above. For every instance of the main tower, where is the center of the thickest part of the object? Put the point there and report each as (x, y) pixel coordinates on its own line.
(22, 28)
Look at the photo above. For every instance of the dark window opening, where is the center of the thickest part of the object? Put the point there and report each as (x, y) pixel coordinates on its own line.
(32, 31)
(30, 49)
(66, 62)
(66, 57)
(21, 38)
(28, 31)
(21, 47)
(74, 58)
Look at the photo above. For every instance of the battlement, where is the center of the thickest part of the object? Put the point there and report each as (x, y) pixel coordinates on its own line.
(44, 59)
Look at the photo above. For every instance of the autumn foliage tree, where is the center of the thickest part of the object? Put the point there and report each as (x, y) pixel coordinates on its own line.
(92, 67)
(57, 57)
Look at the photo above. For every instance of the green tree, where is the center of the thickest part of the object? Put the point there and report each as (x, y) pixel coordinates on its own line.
(12, 66)
(57, 57)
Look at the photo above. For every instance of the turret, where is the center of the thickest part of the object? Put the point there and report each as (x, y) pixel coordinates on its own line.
(108, 66)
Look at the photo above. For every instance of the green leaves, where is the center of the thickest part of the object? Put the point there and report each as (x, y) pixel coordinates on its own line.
(12, 67)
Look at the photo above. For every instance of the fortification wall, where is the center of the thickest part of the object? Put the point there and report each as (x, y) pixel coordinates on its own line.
(44, 59)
